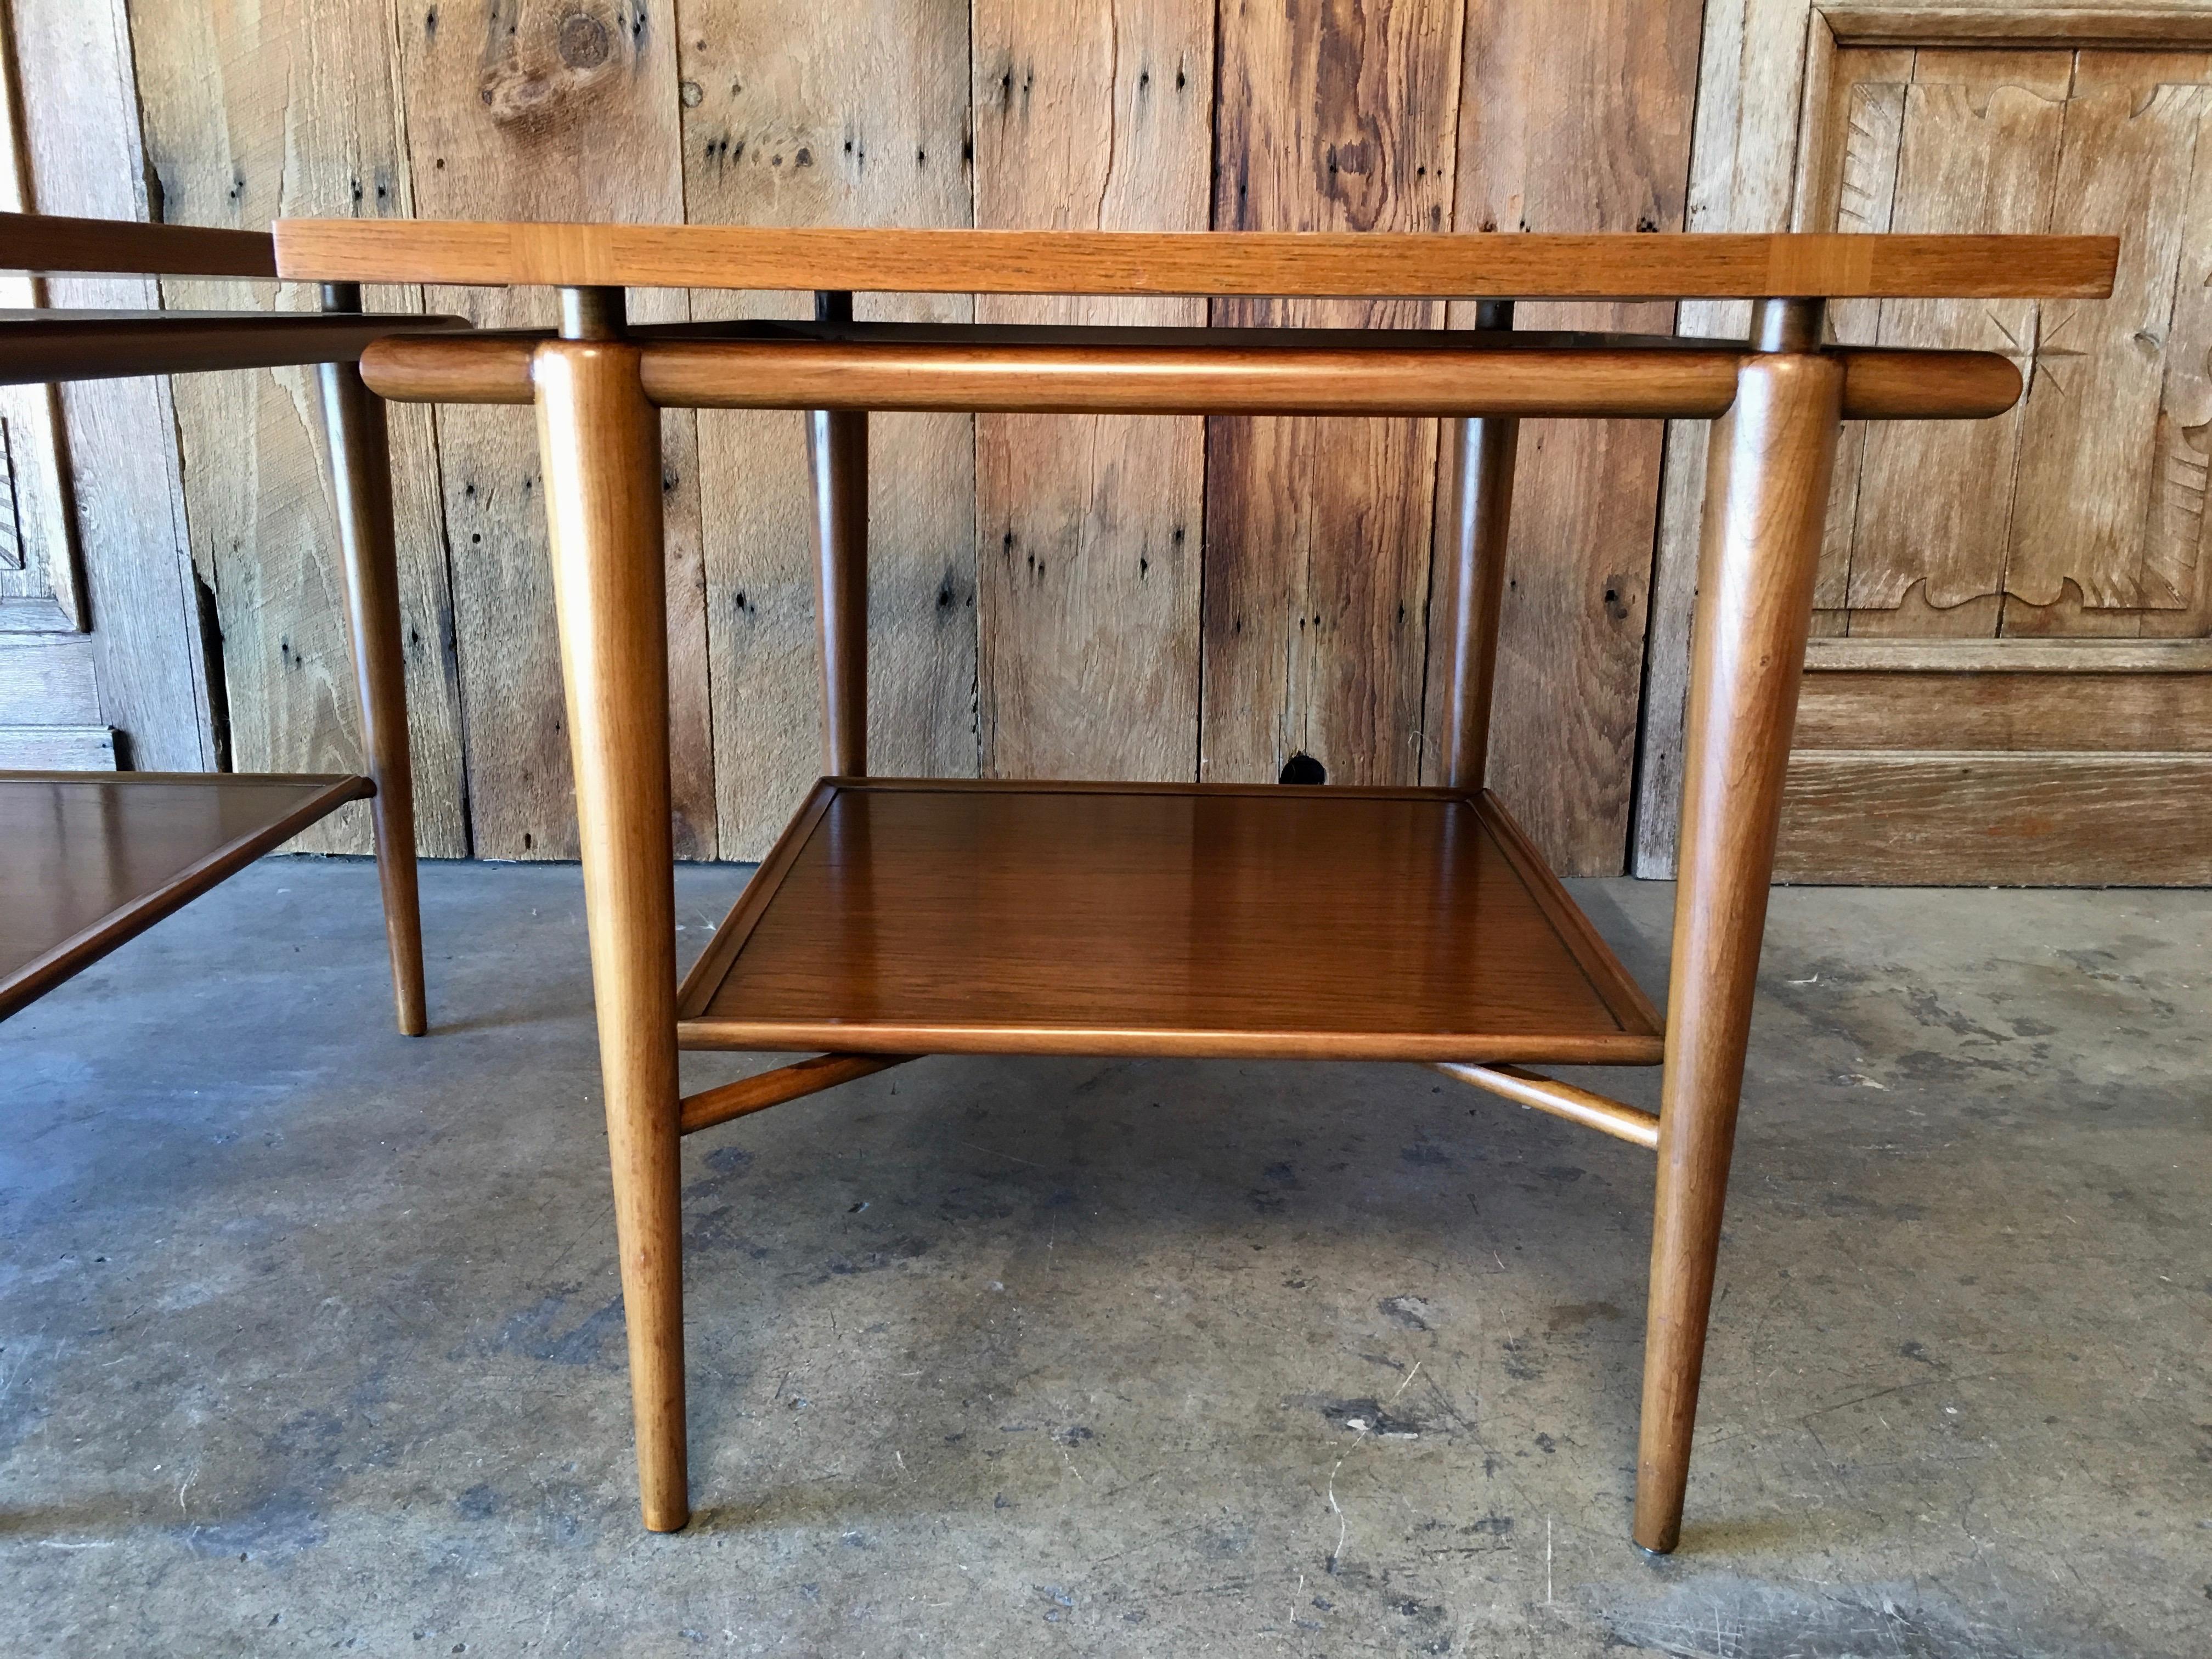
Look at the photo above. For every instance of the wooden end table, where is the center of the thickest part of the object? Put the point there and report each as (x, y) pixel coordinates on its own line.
(899, 917)
(89, 859)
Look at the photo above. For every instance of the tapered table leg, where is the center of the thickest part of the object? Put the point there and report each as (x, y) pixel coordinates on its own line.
(1767, 497)
(1482, 506)
(361, 472)
(601, 442)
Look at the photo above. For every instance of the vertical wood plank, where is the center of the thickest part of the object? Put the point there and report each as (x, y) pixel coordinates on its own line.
(2083, 507)
(1977, 154)
(549, 110)
(251, 112)
(1332, 117)
(80, 128)
(1751, 84)
(1095, 116)
(39, 589)
(1850, 183)
(1576, 118)
(2180, 553)
(833, 115)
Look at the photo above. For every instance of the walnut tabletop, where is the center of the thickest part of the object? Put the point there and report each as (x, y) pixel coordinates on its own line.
(1492, 265)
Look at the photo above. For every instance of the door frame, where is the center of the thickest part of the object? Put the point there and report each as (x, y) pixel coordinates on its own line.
(104, 474)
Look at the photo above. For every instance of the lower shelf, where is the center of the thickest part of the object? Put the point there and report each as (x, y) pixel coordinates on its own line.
(89, 859)
(905, 917)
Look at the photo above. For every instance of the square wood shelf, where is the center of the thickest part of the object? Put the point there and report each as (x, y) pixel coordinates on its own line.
(93, 859)
(908, 916)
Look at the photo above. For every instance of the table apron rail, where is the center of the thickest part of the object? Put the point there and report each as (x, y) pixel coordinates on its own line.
(1675, 383)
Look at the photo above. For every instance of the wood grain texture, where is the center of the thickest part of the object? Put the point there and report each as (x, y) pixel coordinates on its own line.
(805, 116)
(540, 108)
(2026, 818)
(41, 589)
(1543, 1094)
(358, 436)
(757, 1093)
(2152, 454)
(837, 448)
(1576, 118)
(602, 449)
(49, 682)
(1744, 153)
(66, 748)
(1935, 506)
(2160, 656)
(2087, 517)
(2179, 552)
(41, 586)
(92, 862)
(2086, 509)
(1765, 508)
(1222, 370)
(2114, 505)
(2005, 710)
(251, 112)
(50, 243)
(1129, 918)
(81, 133)
(81, 345)
(1474, 502)
(2021, 23)
(2101, 531)
(1847, 168)
(1087, 528)
(1350, 263)
(1240, 370)
(1315, 625)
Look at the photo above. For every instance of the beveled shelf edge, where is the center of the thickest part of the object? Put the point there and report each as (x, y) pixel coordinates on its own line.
(71, 956)
(794, 1036)
(714, 964)
(1615, 986)
(1640, 1040)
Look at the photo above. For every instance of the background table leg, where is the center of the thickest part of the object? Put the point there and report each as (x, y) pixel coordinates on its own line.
(601, 442)
(361, 472)
(838, 446)
(1767, 496)
(1482, 512)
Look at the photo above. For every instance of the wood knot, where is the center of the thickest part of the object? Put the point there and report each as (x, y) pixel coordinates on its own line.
(582, 42)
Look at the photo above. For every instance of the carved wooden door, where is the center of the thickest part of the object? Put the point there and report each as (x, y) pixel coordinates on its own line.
(2012, 680)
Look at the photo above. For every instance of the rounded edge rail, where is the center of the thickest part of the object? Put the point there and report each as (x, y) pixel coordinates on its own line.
(1596, 381)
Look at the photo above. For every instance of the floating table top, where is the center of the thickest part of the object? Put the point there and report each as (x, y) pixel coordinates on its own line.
(1482, 264)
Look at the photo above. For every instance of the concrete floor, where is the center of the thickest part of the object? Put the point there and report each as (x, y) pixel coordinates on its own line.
(309, 1336)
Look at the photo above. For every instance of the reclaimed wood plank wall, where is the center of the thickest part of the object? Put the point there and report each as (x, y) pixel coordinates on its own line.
(1109, 597)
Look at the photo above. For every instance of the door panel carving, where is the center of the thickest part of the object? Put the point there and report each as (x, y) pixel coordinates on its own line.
(2082, 512)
